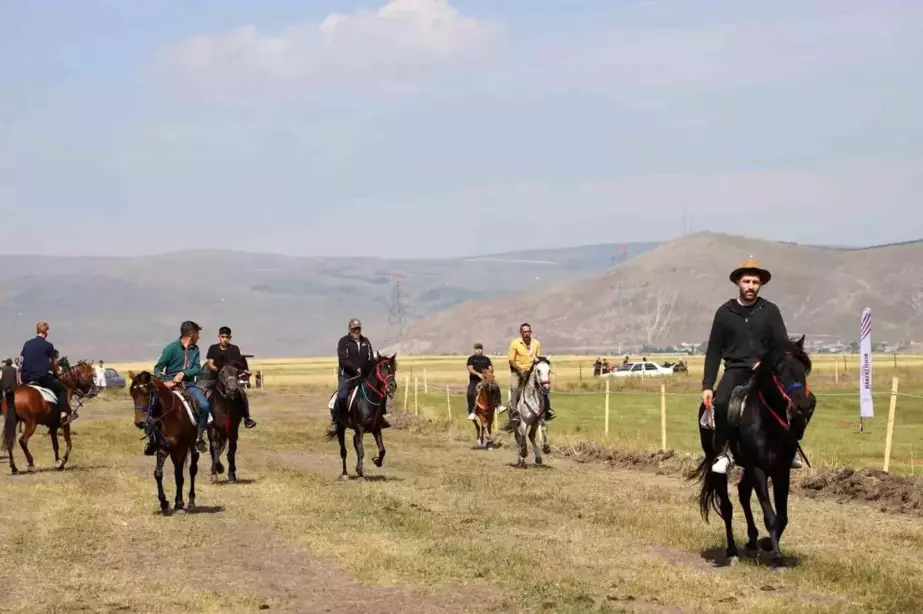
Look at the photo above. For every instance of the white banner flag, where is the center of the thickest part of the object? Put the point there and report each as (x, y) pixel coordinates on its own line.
(865, 365)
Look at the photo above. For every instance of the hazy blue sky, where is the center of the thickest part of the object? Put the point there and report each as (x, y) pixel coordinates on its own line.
(423, 128)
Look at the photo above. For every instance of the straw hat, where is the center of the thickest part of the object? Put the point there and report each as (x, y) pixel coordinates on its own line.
(752, 266)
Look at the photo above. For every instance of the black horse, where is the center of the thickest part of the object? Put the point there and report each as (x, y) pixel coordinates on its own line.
(227, 409)
(763, 439)
(365, 414)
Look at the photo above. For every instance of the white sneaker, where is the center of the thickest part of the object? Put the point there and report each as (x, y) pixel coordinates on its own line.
(721, 464)
(471, 416)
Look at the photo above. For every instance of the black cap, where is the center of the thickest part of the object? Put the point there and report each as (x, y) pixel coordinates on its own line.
(479, 346)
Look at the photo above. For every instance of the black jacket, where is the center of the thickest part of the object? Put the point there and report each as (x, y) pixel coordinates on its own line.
(354, 354)
(741, 339)
(7, 378)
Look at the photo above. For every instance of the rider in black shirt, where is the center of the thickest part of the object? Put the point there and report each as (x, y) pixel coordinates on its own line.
(477, 364)
(222, 353)
(744, 329)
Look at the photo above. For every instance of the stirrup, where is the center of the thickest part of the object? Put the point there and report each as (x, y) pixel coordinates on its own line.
(723, 463)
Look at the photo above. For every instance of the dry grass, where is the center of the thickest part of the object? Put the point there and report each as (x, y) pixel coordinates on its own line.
(440, 527)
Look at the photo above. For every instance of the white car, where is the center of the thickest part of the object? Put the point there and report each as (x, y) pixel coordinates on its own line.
(640, 369)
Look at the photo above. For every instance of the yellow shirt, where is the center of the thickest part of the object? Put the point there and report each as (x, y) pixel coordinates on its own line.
(521, 356)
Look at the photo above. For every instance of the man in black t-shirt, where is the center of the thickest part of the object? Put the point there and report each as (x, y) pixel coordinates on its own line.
(477, 364)
(222, 353)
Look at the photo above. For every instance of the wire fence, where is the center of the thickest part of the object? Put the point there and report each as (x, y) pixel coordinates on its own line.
(634, 418)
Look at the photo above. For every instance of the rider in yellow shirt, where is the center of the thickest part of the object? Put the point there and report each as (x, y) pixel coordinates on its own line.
(522, 353)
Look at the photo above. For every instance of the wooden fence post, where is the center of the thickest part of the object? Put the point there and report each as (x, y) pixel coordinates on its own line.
(448, 403)
(891, 411)
(663, 417)
(607, 407)
(425, 384)
(406, 392)
(416, 404)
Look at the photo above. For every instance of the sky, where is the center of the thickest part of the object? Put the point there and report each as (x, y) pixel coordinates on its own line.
(428, 128)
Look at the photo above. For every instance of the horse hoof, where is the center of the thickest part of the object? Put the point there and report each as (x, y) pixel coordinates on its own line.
(377, 461)
(59, 465)
(538, 461)
(31, 468)
(546, 449)
(344, 478)
(766, 544)
(732, 560)
(232, 477)
(219, 468)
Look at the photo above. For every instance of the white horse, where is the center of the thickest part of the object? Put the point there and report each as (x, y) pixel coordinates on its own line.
(531, 405)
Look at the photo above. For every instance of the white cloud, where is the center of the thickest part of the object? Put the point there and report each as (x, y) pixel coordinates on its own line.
(394, 47)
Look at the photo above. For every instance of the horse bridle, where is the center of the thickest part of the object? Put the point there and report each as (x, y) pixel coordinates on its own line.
(786, 394)
(388, 385)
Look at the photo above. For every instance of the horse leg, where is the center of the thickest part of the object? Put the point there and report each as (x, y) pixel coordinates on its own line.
(24, 442)
(360, 452)
(232, 452)
(380, 459)
(546, 446)
(727, 514)
(193, 471)
(158, 475)
(341, 436)
(216, 445)
(68, 446)
(533, 430)
(780, 488)
(55, 445)
(179, 460)
(521, 449)
(761, 484)
(745, 492)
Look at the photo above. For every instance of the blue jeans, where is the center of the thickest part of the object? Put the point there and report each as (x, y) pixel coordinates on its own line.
(199, 395)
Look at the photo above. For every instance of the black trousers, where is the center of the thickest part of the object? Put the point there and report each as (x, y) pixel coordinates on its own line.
(471, 394)
(55, 385)
(730, 380)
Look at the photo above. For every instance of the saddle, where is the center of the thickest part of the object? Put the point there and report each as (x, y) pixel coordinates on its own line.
(188, 404)
(738, 403)
(47, 394)
(350, 399)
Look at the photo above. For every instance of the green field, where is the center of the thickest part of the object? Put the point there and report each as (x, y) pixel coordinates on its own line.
(833, 438)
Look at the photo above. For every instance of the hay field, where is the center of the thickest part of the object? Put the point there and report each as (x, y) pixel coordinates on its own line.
(579, 399)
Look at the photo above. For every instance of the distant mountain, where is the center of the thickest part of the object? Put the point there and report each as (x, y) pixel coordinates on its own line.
(128, 308)
(669, 294)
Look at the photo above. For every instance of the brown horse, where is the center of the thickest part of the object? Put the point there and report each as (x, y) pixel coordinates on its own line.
(487, 399)
(178, 432)
(228, 413)
(32, 409)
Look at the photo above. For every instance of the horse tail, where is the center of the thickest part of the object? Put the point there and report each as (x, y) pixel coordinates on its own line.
(9, 425)
(709, 495)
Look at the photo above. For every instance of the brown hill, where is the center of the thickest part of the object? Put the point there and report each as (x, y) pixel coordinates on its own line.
(668, 295)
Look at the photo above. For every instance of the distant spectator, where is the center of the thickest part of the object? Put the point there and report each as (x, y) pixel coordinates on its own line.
(607, 367)
(100, 371)
(9, 378)
(597, 367)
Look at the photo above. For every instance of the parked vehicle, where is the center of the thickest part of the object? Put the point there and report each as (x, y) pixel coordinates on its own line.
(640, 369)
(113, 379)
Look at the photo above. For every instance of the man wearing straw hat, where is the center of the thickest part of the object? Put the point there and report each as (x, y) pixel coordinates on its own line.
(744, 328)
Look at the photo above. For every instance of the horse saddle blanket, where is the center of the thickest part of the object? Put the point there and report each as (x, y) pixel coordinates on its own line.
(349, 400)
(189, 412)
(47, 394)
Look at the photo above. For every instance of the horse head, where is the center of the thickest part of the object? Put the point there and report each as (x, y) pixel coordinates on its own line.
(782, 376)
(540, 373)
(142, 390)
(384, 374)
(84, 377)
(228, 381)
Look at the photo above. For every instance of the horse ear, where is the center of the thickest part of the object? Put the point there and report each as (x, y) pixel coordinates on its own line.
(131, 375)
(800, 343)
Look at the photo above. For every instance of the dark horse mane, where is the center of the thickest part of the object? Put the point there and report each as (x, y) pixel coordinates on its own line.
(777, 352)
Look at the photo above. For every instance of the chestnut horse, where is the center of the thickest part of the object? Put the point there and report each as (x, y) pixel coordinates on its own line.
(226, 406)
(487, 399)
(33, 409)
(178, 432)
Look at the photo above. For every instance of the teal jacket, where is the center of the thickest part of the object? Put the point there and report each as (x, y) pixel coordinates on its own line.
(176, 358)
